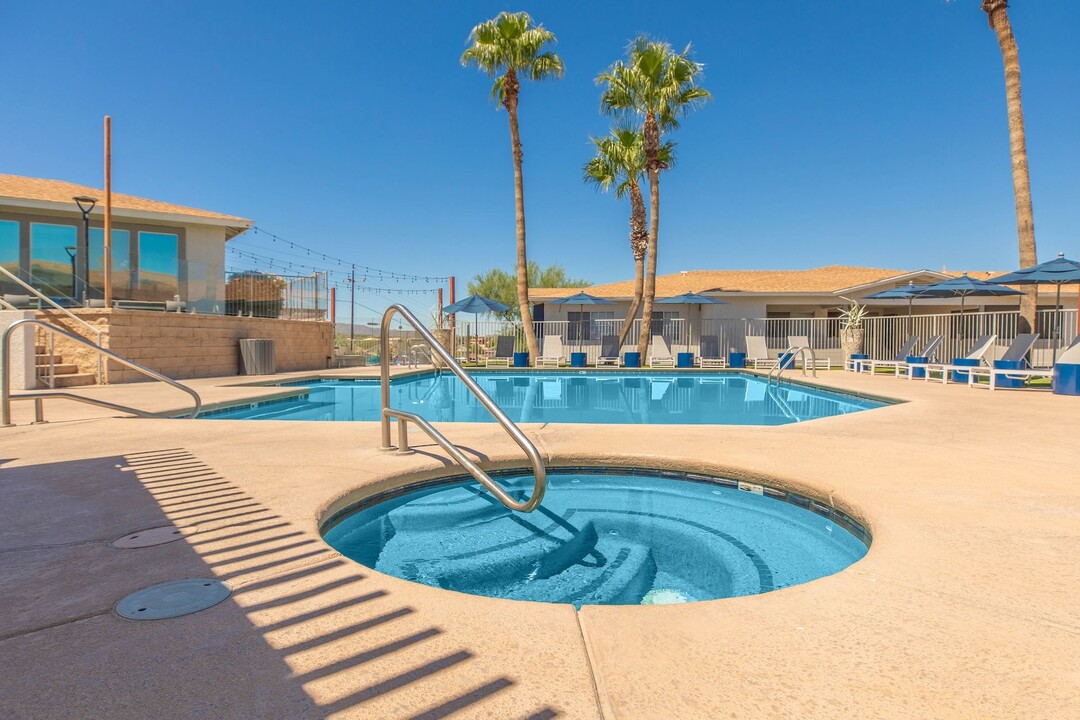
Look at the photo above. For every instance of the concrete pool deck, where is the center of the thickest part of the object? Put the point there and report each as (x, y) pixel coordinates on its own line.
(965, 605)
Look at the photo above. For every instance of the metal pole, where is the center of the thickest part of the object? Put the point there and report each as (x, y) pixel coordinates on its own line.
(352, 312)
(107, 260)
(85, 282)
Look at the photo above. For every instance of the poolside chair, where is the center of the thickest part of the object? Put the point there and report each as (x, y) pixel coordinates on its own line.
(504, 351)
(929, 352)
(871, 366)
(1018, 352)
(798, 341)
(553, 352)
(976, 352)
(757, 352)
(609, 351)
(709, 353)
(659, 353)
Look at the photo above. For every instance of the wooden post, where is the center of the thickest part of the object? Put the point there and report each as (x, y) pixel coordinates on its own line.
(333, 308)
(107, 259)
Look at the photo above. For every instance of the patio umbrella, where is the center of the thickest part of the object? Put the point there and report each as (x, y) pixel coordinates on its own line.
(688, 299)
(474, 304)
(581, 300)
(962, 287)
(1059, 271)
(909, 293)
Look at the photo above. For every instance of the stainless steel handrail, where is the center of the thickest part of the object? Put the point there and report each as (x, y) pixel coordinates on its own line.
(5, 370)
(37, 293)
(403, 418)
(780, 365)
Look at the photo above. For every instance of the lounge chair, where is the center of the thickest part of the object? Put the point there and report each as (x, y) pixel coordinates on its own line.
(659, 353)
(757, 352)
(1018, 352)
(709, 353)
(609, 351)
(553, 352)
(929, 352)
(798, 341)
(504, 351)
(871, 366)
(977, 351)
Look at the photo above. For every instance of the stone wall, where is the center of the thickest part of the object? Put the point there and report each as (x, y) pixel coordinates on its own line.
(184, 345)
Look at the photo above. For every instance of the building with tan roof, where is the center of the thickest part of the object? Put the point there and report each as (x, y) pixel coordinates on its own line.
(160, 250)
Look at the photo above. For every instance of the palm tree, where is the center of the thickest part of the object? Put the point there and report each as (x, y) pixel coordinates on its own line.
(507, 48)
(620, 163)
(997, 12)
(659, 86)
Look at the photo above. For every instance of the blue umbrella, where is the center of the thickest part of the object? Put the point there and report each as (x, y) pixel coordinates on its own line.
(474, 304)
(909, 293)
(688, 299)
(1059, 271)
(962, 287)
(581, 300)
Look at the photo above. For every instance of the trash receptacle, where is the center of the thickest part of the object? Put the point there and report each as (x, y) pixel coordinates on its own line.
(257, 356)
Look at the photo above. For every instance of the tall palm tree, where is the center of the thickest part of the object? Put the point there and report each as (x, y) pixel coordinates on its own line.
(657, 85)
(997, 12)
(620, 163)
(508, 48)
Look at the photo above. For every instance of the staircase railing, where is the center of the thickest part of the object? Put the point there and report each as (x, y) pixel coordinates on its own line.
(50, 378)
(5, 381)
(787, 359)
(404, 418)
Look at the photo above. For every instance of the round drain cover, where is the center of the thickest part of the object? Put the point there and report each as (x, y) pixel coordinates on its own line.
(152, 536)
(172, 599)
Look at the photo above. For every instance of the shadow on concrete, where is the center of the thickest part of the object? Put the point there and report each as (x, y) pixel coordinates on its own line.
(304, 634)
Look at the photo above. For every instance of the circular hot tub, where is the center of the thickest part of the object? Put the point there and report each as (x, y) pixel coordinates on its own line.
(600, 537)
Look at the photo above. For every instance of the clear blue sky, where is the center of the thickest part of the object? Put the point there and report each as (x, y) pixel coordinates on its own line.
(842, 131)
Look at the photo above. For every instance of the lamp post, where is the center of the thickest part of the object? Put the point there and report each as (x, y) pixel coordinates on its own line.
(86, 204)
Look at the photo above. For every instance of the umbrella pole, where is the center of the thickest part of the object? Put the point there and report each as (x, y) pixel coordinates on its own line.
(1057, 314)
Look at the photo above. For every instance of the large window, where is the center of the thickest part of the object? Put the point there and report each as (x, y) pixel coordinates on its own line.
(9, 256)
(583, 326)
(52, 258)
(121, 262)
(662, 322)
(158, 266)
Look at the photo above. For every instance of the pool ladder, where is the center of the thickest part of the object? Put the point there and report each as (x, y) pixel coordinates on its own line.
(780, 365)
(403, 418)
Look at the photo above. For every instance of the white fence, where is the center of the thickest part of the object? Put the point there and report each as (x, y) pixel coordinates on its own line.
(882, 336)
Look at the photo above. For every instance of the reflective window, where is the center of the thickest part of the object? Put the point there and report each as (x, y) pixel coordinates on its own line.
(9, 256)
(121, 261)
(158, 266)
(52, 258)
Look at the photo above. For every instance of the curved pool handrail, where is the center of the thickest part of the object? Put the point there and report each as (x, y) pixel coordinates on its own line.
(781, 363)
(5, 371)
(403, 418)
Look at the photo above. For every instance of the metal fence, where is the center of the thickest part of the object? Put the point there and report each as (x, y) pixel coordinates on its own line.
(267, 295)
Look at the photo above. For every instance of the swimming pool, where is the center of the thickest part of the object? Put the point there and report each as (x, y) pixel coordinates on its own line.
(566, 397)
(601, 537)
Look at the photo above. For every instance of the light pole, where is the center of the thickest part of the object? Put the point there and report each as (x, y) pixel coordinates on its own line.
(86, 204)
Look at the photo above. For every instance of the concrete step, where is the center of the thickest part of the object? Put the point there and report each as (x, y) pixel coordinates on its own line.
(59, 368)
(76, 380)
(42, 358)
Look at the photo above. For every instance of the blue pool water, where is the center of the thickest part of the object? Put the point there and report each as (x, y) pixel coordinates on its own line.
(562, 397)
(601, 538)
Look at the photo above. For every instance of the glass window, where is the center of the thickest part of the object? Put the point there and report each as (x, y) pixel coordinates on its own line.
(52, 258)
(158, 266)
(584, 326)
(662, 321)
(121, 261)
(9, 256)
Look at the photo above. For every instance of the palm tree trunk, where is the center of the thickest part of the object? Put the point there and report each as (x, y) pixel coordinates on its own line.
(996, 11)
(652, 150)
(639, 239)
(511, 86)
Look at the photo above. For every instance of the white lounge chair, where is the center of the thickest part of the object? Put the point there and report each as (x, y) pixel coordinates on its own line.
(609, 351)
(871, 366)
(929, 352)
(1019, 349)
(709, 354)
(504, 351)
(798, 341)
(977, 351)
(757, 352)
(553, 352)
(659, 353)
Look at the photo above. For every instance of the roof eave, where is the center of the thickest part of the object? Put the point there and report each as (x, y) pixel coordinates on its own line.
(235, 225)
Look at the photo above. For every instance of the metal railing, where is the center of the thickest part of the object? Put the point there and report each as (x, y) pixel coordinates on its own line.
(404, 418)
(5, 381)
(50, 379)
(787, 359)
